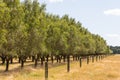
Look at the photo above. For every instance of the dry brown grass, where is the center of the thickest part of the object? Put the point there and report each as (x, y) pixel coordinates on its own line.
(107, 69)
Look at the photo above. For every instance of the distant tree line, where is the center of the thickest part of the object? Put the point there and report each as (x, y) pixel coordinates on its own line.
(115, 49)
(27, 31)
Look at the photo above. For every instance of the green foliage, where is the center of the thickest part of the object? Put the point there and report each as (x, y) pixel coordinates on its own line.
(27, 30)
(115, 49)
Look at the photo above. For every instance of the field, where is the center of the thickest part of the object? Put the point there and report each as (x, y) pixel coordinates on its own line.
(106, 69)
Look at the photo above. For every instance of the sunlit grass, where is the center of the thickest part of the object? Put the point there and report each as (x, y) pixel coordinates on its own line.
(107, 69)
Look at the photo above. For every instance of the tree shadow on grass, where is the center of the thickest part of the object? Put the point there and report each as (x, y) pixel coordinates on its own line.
(30, 67)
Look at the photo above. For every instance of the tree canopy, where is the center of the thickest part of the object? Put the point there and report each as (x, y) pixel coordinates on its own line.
(27, 30)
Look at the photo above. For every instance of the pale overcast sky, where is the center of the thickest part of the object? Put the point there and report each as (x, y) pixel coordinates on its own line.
(98, 16)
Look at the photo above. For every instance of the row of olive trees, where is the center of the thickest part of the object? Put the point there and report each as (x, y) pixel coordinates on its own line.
(26, 30)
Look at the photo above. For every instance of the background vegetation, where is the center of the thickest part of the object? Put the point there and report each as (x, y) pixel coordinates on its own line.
(115, 49)
(27, 31)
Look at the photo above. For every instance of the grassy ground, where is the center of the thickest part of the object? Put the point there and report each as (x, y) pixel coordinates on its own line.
(107, 69)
